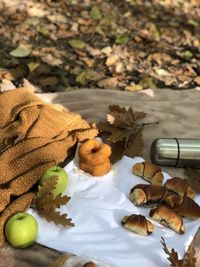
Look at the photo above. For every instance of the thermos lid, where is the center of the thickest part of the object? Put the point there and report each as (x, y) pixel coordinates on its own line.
(176, 152)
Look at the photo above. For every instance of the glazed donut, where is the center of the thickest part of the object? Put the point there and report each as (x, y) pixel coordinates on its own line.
(93, 152)
(96, 170)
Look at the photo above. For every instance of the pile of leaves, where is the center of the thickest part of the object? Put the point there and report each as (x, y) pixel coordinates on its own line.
(126, 45)
(123, 131)
(47, 205)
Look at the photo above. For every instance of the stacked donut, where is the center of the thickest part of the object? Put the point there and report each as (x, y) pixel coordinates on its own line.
(94, 157)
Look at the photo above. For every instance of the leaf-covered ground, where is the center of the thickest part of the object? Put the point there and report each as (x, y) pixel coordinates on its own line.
(109, 44)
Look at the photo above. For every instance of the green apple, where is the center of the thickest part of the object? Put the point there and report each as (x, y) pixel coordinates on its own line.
(21, 230)
(62, 182)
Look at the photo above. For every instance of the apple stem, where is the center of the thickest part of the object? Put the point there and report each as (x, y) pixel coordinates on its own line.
(57, 168)
(20, 218)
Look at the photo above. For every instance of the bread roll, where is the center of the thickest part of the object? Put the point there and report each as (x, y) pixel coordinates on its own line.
(168, 218)
(184, 206)
(148, 171)
(146, 195)
(138, 224)
(179, 186)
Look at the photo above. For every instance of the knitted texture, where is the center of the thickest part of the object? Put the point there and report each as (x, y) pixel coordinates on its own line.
(25, 115)
(35, 136)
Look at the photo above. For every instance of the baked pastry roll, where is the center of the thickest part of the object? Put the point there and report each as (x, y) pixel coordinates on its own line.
(184, 206)
(148, 171)
(168, 218)
(138, 224)
(179, 186)
(173, 200)
(146, 195)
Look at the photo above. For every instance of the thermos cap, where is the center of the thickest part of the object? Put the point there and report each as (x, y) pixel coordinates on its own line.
(176, 152)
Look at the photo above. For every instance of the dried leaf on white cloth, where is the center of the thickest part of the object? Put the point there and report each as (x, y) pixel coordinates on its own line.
(172, 255)
(46, 204)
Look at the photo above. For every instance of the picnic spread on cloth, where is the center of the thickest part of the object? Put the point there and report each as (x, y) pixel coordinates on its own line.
(96, 205)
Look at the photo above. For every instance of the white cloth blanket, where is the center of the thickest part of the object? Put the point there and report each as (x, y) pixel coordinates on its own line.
(96, 207)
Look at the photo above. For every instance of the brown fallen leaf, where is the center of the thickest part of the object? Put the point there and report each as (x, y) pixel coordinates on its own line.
(117, 151)
(108, 83)
(46, 204)
(51, 60)
(107, 50)
(112, 59)
(190, 258)
(93, 51)
(172, 255)
(135, 144)
(88, 61)
(123, 117)
(57, 18)
(123, 131)
(56, 217)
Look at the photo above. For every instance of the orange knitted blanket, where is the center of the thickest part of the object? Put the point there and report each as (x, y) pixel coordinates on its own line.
(36, 137)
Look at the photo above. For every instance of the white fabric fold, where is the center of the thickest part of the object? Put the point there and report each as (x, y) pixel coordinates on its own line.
(96, 207)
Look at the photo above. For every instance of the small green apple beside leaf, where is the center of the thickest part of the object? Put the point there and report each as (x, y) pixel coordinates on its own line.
(62, 182)
(21, 230)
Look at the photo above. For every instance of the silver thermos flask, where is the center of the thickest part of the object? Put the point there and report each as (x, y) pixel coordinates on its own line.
(176, 152)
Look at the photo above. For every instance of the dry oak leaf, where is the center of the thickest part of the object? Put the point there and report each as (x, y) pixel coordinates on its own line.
(117, 151)
(122, 129)
(172, 255)
(122, 117)
(56, 217)
(135, 140)
(46, 204)
(190, 258)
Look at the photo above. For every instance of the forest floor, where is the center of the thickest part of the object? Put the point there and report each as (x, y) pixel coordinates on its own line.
(109, 44)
